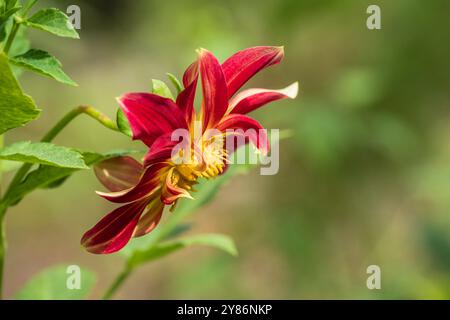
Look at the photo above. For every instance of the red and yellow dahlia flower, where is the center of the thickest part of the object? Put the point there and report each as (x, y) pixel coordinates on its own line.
(145, 189)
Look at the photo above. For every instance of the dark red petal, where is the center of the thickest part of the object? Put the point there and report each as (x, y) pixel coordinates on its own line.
(190, 74)
(151, 115)
(249, 100)
(150, 218)
(119, 173)
(147, 185)
(161, 151)
(114, 231)
(252, 130)
(243, 65)
(185, 99)
(215, 98)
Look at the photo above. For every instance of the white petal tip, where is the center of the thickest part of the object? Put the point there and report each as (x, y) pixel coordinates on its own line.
(292, 90)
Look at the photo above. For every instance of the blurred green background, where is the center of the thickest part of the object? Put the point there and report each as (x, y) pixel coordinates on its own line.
(365, 178)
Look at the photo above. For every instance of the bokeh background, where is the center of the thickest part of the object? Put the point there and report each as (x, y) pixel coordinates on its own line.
(364, 179)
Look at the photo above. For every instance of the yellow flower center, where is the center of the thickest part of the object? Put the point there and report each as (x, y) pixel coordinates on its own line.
(207, 159)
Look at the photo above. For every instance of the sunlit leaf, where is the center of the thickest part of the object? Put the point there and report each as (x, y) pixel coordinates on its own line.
(161, 89)
(16, 108)
(47, 176)
(54, 21)
(43, 153)
(42, 62)
(178, 230)
(176, 83)
(10, 4)
(7, 10)
(55, 283)
(123, 124)
(218, 241)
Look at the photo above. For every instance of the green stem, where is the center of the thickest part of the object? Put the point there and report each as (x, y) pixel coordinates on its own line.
(28, 6)
(90, 111)
(2, 246)
(1, 164)
(16, 25)
(12, 35)
(20, 174)
(117, 283)
(2, 230)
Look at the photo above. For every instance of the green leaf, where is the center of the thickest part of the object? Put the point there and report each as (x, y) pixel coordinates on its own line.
(47, 176)
(178, 230)
(10, 11)
(218, 241)
(123, 124)
(54, 21)
(10, 4)
(16, 108)
(42, 62)
(5, 17)
(56, 183)
(3, 27)
(7, 10)
(161, 89)
(176, 83)
(55, 283)
(42, 177)
(43, 153)
(21, 43)
(8, 7)
(91, 158)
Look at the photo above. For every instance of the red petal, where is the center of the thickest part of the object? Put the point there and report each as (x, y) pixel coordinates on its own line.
(148, 184)
(161, 151)
(215, 98)
(249, 100)
(151, 115)
(190, 74)
(243, 65)
(150, 219)
(114, 231)
(119, 173)
(185, 99)
(253, 130)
